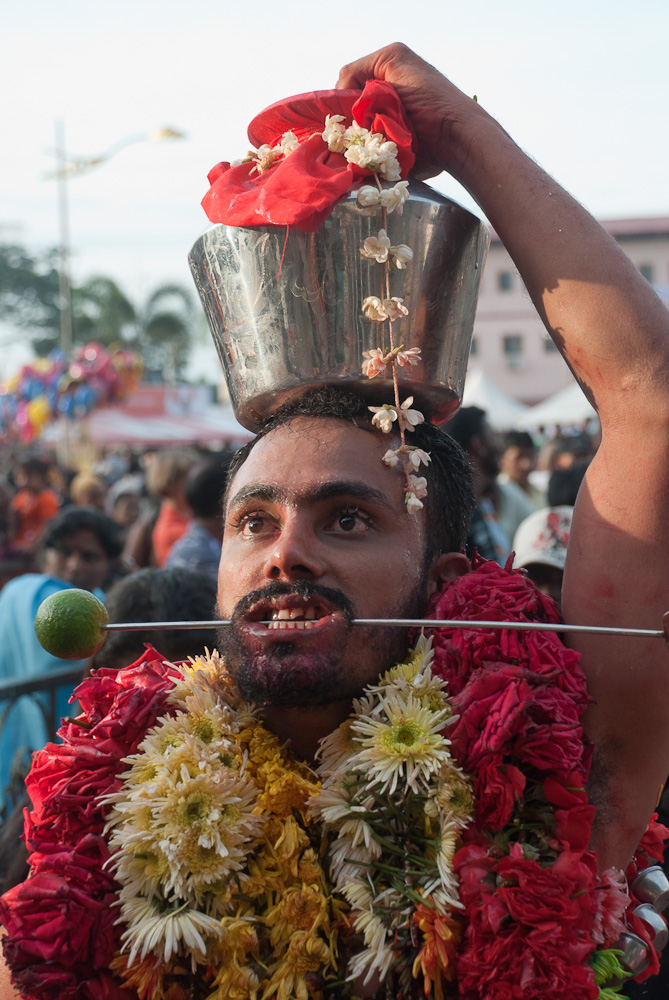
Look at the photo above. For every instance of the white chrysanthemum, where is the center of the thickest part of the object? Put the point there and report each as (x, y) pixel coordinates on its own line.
(377, 956)
(403, 743)
(163, 929)
(335, 750)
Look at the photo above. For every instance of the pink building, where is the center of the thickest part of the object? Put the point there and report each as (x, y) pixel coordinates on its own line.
(510, 343)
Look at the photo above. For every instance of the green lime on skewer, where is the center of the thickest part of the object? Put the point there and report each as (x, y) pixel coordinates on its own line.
(70, 624)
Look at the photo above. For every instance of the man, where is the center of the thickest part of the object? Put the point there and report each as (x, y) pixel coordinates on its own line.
(199, 548)
(518, 462)
(283, 528)
(79, 548)
(316, 530)
(34, 504)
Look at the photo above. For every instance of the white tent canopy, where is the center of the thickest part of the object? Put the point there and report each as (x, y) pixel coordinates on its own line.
(567, 407)
(502, 411)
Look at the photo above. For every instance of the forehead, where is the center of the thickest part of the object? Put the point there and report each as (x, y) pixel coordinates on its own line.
(307, 452)
(83, 539)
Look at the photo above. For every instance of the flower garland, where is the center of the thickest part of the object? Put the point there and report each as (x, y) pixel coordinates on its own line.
(177, 850)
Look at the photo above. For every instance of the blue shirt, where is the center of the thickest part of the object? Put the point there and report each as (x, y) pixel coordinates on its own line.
(21, 656)
(197, 549)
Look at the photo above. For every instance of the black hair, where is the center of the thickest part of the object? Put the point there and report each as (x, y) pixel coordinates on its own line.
(518, 439)
(564, 484)
(205, 485)
(34, 466)
(450, 499)
(74, 519)
(158, 595)
(466, 424)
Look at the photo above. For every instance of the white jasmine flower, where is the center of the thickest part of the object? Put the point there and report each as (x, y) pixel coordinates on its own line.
(376, 247)
(356, 134)
(412, 502)
(418, 456)
(384, 416)
(392, 199)
(333, 133)
(418, 486)
(401, 255)
(368, 196)
(391, 457)
(374, 362)
(409, 418)
(394, 307)
(289, 143)
(265, 157)
(374, 309)
(409, 357)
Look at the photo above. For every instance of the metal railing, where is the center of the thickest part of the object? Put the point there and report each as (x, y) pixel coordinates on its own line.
(43, 693)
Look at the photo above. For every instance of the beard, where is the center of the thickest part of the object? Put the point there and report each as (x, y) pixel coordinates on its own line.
(286, 674)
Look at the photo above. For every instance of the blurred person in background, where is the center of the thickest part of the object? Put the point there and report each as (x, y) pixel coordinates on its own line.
(125, 510)
(500, 507)
(518, 462)
(80, 548)
(199, 548)
(165, 479)
(564, 484)
(34, 504)
(87, 490)
(151, 595)
(540, 546)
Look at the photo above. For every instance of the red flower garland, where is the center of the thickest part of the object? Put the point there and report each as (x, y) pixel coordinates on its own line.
(60, 928)
(535, 909)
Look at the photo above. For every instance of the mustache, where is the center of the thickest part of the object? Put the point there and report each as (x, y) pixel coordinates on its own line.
(303, 589)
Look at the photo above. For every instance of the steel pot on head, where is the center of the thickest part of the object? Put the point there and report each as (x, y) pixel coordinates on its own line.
(285, 306)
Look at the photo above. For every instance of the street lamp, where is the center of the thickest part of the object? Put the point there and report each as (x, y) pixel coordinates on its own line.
(75, 166)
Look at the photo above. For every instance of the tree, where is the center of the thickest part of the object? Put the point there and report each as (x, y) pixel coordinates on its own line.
(164, 333)
(29, 294)
(101, 312)
(29, 301)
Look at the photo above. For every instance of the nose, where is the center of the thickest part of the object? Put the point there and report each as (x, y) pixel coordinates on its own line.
(294, 554)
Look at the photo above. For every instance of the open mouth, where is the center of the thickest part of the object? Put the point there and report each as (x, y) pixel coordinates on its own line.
(290, 613)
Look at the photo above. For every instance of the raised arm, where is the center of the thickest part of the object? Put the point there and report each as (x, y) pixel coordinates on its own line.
(613, 332)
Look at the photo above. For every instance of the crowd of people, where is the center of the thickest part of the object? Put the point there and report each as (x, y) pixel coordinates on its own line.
(143, 532)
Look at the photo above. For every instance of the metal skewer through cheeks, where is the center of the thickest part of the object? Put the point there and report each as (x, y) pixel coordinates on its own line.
(662, 633)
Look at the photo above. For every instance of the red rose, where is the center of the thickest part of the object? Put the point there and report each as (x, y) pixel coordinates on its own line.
(556, 747)
(498, 787)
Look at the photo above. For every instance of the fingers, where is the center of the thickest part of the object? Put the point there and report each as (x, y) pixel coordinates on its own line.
(384, 64)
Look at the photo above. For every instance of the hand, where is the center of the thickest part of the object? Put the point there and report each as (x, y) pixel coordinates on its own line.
(435, 106)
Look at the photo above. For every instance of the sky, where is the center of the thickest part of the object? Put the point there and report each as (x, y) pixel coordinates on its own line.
(583, 86)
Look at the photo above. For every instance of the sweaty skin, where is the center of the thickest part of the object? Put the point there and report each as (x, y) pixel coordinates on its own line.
(314, 506)
(613, 331)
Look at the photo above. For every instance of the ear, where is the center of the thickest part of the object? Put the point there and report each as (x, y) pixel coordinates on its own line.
(445, 567)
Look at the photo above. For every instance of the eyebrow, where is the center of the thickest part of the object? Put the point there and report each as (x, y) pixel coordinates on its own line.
(332, 490)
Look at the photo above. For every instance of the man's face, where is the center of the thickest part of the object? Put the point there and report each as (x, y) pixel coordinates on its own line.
(316, 533)
(79, 559)
(517, 463)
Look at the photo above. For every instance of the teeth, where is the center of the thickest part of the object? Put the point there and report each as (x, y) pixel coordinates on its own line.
(283, 614)
(286, 623)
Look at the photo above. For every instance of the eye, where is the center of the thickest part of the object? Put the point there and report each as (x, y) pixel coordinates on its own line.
(351, 521)
(252, 523)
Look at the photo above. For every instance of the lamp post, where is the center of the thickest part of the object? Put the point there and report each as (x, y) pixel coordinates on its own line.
(75, 166)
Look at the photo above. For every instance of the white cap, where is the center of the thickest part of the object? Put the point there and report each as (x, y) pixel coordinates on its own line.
(542, 537)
